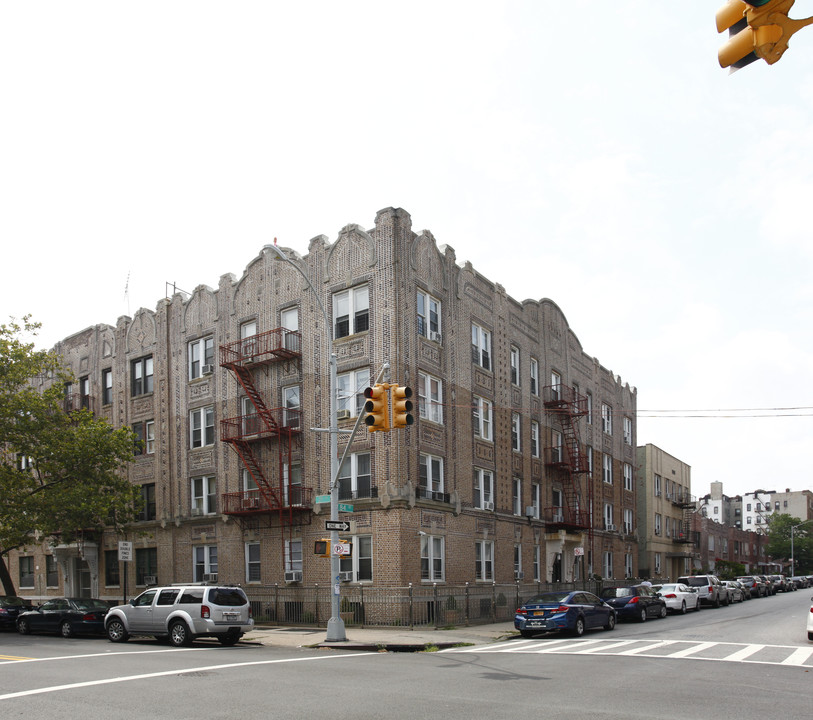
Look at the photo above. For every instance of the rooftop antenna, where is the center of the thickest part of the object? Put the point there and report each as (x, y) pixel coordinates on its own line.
(127, 292)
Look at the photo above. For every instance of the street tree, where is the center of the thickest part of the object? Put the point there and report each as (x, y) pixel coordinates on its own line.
(779, 545)
(60, 472)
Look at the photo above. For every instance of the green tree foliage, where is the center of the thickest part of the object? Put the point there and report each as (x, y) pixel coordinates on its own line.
(59, 472)
(779, 526)
(728, 570)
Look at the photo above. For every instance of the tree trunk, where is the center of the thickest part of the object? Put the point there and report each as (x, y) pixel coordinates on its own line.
(5, 576)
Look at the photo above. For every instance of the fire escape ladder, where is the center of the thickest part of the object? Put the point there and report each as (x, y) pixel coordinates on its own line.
(246, 379)
(252, 464)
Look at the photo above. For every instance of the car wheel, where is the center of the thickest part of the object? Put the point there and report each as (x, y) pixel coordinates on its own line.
(578, 628)
(179, 635)
(810, 636)
(642, 616)
(229, 638)
(610, 622)
(23, 627)
(683, 608)
(662, 613)
(66, 630)
(116, 632)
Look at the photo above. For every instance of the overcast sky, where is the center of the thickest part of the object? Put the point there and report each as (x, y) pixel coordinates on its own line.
(590, 152)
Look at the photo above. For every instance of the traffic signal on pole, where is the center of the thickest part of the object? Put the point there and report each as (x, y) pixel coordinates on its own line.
(401, 406)
(757, 29)
(322, 547)
(377, 408)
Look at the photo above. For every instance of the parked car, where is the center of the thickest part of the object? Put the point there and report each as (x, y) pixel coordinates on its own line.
(678, 597)
(736, 591)
(755, 586)
(66, 616)
(182, 613)
(768, 584)
(10, 608)
(635, 602)
(575, 611)
(799, 582)
(810, 622)
(709, 587)
(779, 582)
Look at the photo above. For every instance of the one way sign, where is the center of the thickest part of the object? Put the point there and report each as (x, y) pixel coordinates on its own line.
(340, 525)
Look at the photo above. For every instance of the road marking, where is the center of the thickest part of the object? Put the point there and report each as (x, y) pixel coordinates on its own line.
(692, 650)
(647, 648)
(106, 654)
(14, 658)
(179, 671)
(743, 653)
(798, 657)
(602, 648)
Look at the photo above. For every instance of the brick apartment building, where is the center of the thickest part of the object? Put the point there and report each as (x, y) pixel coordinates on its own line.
(520, 464)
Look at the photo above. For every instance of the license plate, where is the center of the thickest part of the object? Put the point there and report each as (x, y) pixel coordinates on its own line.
(231, 615)
(539, 613)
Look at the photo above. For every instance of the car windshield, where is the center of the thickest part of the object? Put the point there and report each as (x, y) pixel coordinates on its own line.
(665, 588)
(549, 598)
(621, 592)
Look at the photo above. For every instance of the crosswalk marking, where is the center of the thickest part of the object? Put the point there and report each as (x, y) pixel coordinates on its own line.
(750, 653)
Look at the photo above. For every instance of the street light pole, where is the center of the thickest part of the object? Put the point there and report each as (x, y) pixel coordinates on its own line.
(335, 626)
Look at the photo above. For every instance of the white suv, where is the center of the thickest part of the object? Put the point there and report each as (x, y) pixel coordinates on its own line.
(180, 613)
(709, 587)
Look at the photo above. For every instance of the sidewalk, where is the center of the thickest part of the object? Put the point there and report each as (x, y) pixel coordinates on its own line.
(393, 639)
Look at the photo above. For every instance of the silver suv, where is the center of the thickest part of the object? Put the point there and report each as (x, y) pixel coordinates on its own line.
(180, 613)
(709, 587)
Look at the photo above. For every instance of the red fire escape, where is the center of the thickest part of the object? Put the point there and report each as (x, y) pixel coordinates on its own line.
(266, 438)
(567, 461)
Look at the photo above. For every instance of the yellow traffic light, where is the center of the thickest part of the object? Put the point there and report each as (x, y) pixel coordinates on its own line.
(377, 408)
(757, 29)
(401, 406)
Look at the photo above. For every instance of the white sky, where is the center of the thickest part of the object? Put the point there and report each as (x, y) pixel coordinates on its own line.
(589, 152)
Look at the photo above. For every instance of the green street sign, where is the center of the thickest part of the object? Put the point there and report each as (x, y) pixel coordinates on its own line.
(345, 508)
(322, 499)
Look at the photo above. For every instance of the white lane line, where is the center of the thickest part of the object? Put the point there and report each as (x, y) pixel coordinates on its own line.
(608, 646)
(579, 644)
(691, 650)
(743, 653)
(109, 654)
(647, 648)
(798, 657)
(181, 671)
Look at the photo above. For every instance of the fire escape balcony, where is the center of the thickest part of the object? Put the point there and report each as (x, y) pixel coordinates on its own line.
(277, 344)
(684, 535)
(683, 500)
(253, 502)
(75, 401)
(564, 399)
(273, 422)
(565, 518)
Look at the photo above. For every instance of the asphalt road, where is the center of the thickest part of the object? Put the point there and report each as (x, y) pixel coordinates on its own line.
(90, 677)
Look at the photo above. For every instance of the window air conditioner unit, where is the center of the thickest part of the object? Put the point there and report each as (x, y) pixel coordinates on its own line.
(436, 336)
(488, 506)
(519, 575)
(196, 511)
(611, 528)
(207, 369)
(346, 576)
(292, 576)
(342, 414)
(557, 518)
(150, 580)
(209, 577)
(530, 511)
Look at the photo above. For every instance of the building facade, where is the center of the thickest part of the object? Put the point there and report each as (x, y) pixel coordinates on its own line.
(520, 465)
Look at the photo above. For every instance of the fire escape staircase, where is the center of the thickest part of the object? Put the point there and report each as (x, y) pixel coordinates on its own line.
(684, 534)
(568, 406)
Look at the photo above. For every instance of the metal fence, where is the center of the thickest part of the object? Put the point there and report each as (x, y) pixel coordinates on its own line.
(435, 606)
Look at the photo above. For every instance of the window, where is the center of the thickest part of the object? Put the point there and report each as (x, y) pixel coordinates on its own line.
(536, 498)
(534, 439)
(589, 453)
(607, 567)
(627, 521)
(484, 560)
(145, 437)
(430, 476)
(627, 431)
(517, 561)
(607, 418)
(248, 339)
(201, 357)
(25, 462)
(289, 321)
(481, 418)
(481, 346)
(204, 495)
(607, 468)
(483, 489)
(657, 523)
(51, 573)
(555, 386)
(111, 568)
(657, 488)
(514, 358)
(26, 572)
(748, 507)
(204, 561)
(657, 563)
(432, 557)
(716, 509)
(627, 565)
(516, 496)
(292, 404)
(354, 477)
(608, 517)
(556, 494)
(537, 562)
(84, 392)
(589, 397)
(107, 386)
(627, 477)
(147, 502)
(515, 432)
(556, 447)
(350, 388)
(430, 398)
(292, 484)
(428, 316)
(534, 376)
(146, 564)
(141, 376)
(293, 555)
(246, 480)
(361, 562)
(351, 311)
(253, 562)
(202, 427)
(667, 524)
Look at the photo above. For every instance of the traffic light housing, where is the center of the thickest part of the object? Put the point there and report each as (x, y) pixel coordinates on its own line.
(757, 29)
(322, 547)
(401, 406)
(377, 408)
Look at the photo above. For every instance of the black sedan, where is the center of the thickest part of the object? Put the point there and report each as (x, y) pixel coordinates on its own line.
(571, 611)
(10, 608)
(635, 602)
(66, 616)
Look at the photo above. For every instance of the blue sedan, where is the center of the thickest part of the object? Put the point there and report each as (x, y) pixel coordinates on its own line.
(575, 611)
